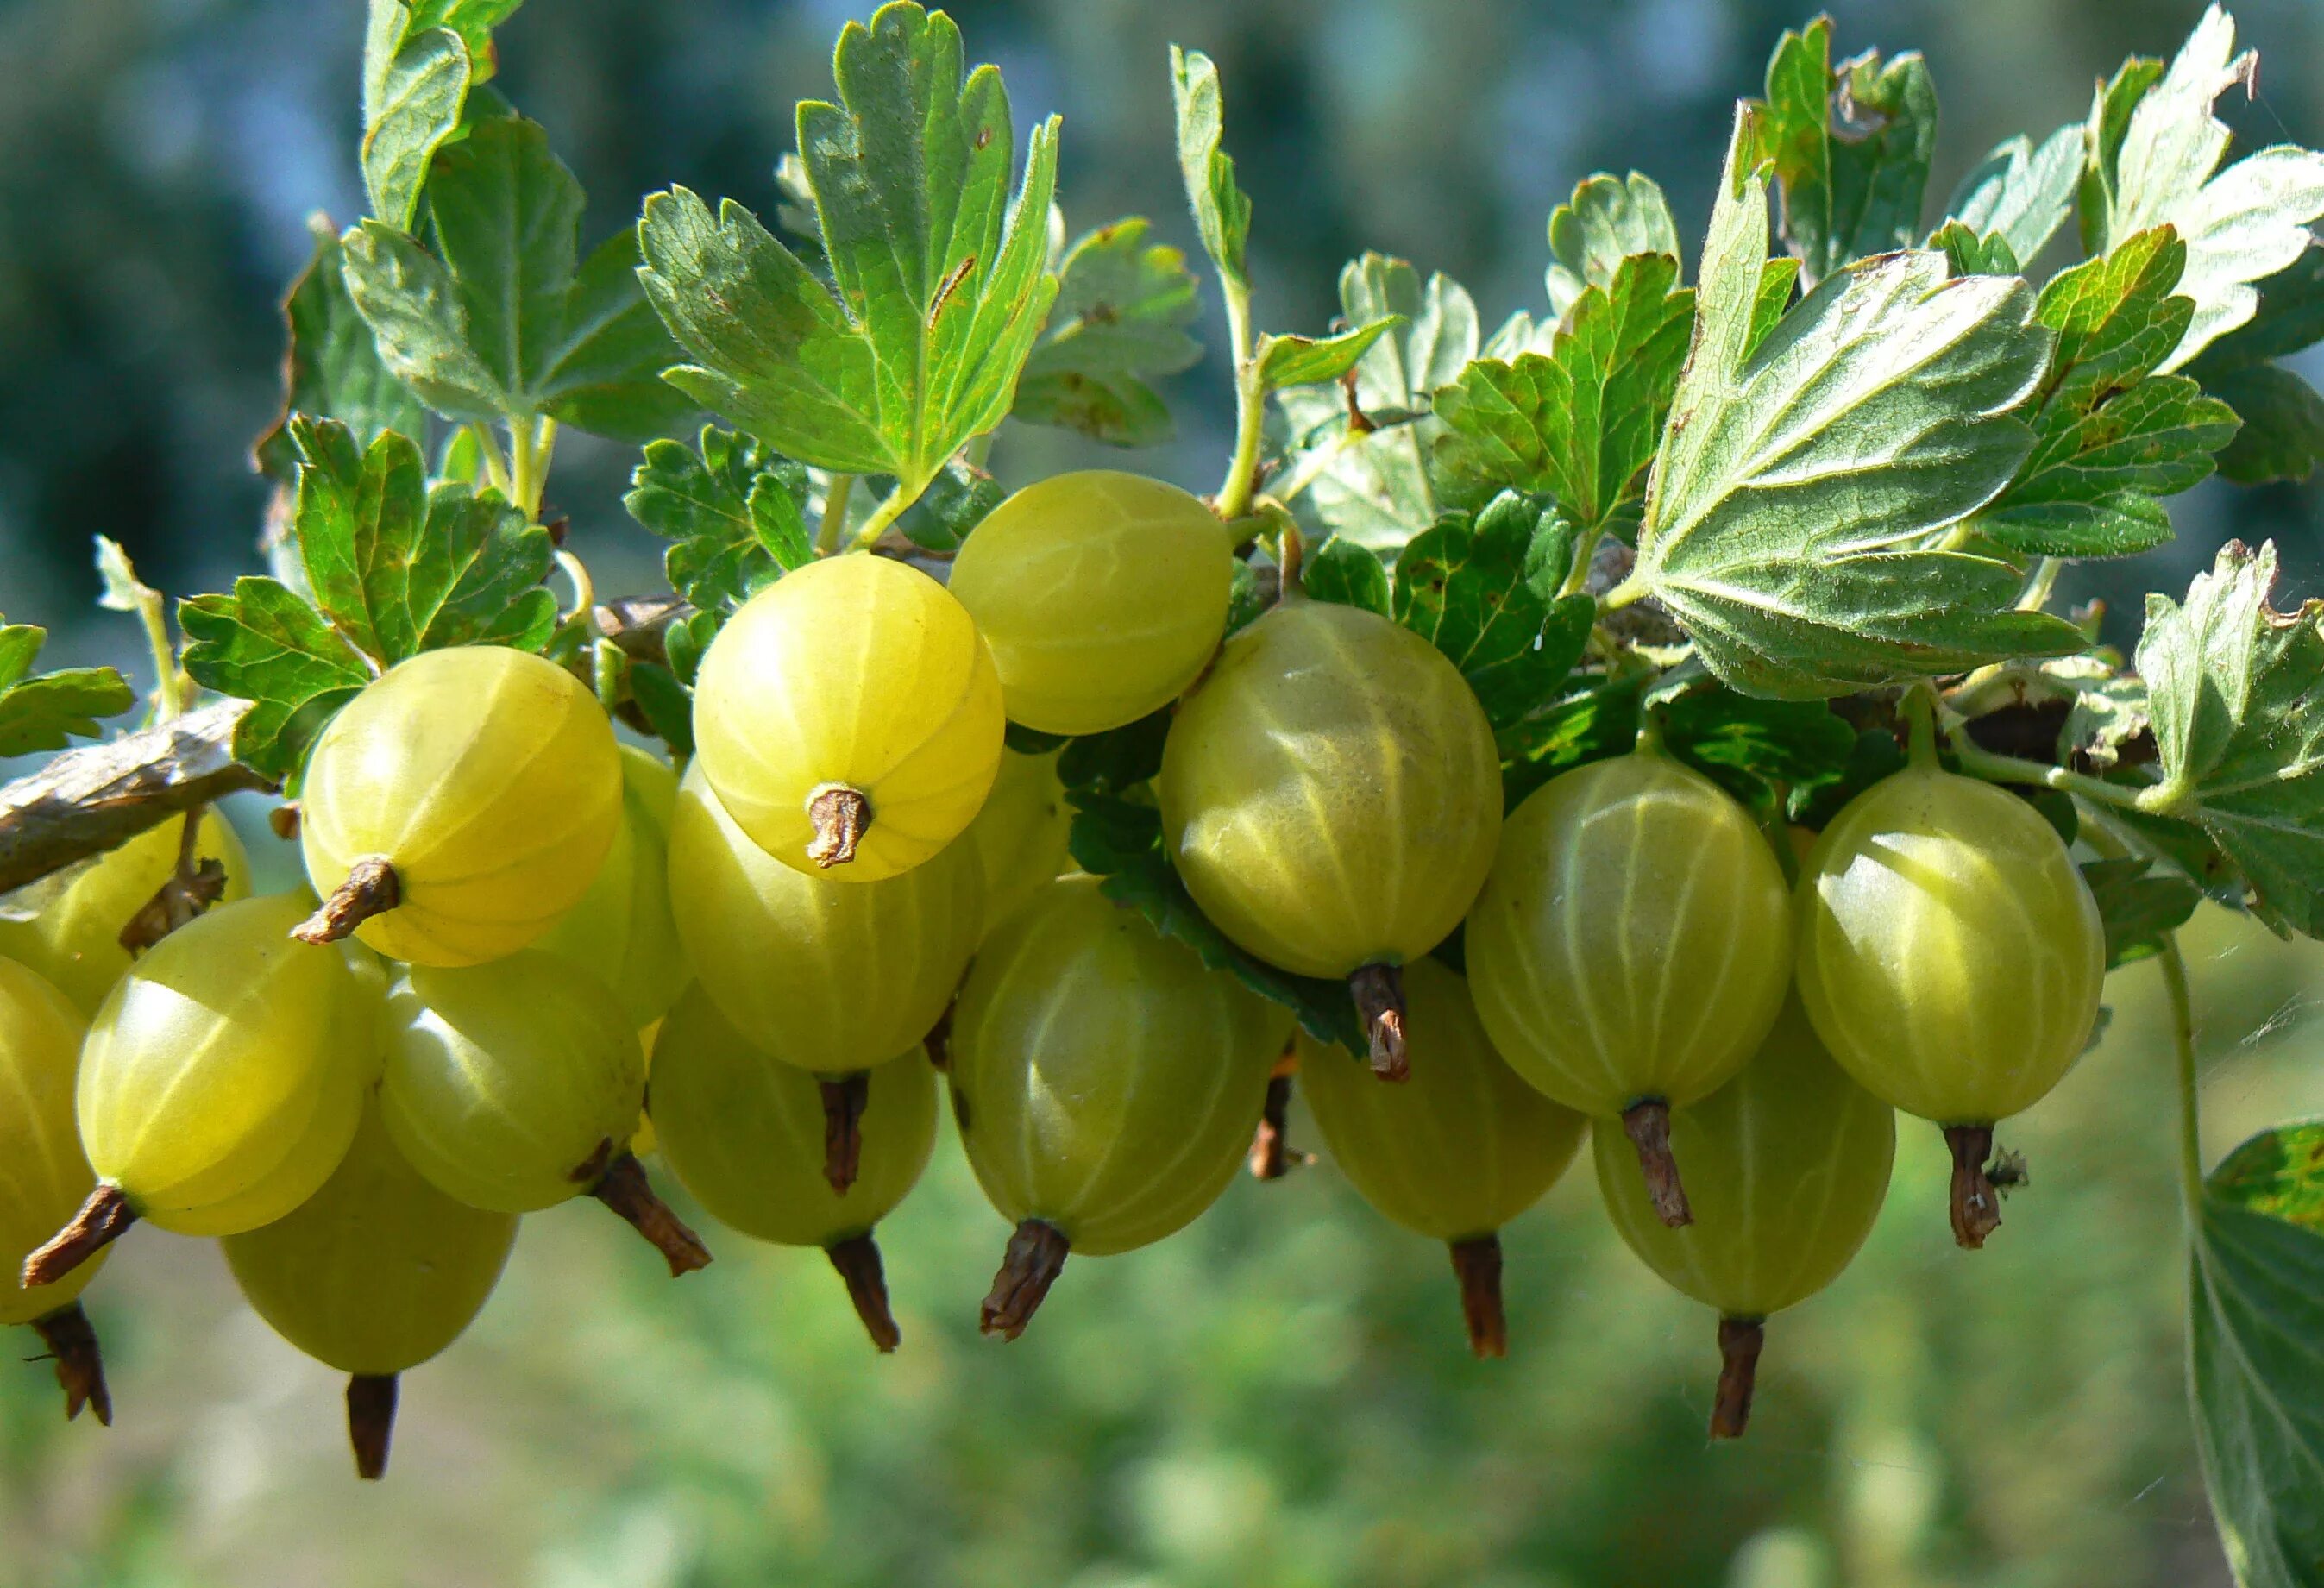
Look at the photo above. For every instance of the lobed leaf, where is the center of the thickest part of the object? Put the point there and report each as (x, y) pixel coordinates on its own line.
(1607, 221)
(2021, 194)
(1221, 209)
(416, 105)
(333, 368)
(1850, 147)
(1580, 423)
(732, 509)
(1121, 314)
(1343, 572)
(44, 711)
(2240, 224)
(1788, 519)
(2236, 692)
(938, 285)
(1484, 591)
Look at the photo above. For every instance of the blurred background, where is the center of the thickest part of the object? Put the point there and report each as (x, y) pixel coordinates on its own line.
(1281, 1395)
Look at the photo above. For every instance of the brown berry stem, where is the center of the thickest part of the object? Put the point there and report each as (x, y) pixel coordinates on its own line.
(1378, 990)
(1478, 1263)
(857, 1259)
(72, 1345)
(1739, 1339)
(192, 886)
(1036, 1256)
(624, 1187)
(372, 888)
(102, 1220)
(840, 816)
(1647, 1124)
(371, 1422)
(1976, 1204)
(1271, 1156)
(843, 1102)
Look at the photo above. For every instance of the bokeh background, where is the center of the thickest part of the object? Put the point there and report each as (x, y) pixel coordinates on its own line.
(1279, 1396)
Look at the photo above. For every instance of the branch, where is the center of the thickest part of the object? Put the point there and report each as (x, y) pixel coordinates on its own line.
(96, 797)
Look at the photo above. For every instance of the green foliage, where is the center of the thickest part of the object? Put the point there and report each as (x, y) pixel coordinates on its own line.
(2114, 437)
(1608, 220)
(732, 509)
(937, 289)
(394, 568)
(2020, 195)
(44, 711)
(1854, 185)
(504, 320)
(1580, 423)
(1342, 571)
(1311, 361)
(2237, 698)
(1787, 521)
(1484, 591)
(1121, 314)
(2282, 433)
(1221, 209)
(2140, 907)
(333, 369)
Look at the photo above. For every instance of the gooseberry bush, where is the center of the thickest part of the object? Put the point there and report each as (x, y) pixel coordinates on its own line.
(1644, 720)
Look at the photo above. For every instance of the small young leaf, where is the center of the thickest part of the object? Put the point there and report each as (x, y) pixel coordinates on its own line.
(2283, 434)
(1788, 519)
(2255, 1326)
(503, 321)
(1308, 361)
(2114, 437)
(1343, 572)
(1221, 209)
(1483, 590)
(938, 282)
(2022, 194)
(1971, 253)
(732, 510)
(2238, 695)
(1373, 486)
(415, 107)
(2139, 907)
(1850, 148)
(333, 369)
(2240, 224)
(1580, 423)
(1121, 842)
(1120, 317)
(1608, 220)
(44, 711)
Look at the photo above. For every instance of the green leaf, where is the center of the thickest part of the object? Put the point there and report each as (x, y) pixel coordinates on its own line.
(2236, 690)
(44, 711)
(2240, 224)
(1120, 317)
(1221, 209)
(394, 568)
(939, 275)
(2022, 194)
(732, 509)
(1483, 590)
(1850, 148)
(2283, 434)
(1121, 842)
(473, 19)
(1117, 761)
(503, 321)
(955, 502)
(1310, 361)
(1874, 756)
(333, 369)
(2290, 320)
(1788, 519)
(1970, 253)
(1585, 724)
(1755, 749)
(1245, 600)
(1345, 573)
(1607, 219)
(415, 107)
(2115, 436)
(2256, 1328)
(2139, 906)
(1580, 423)
(2109, 120)
(668, 704)
(1373, 486)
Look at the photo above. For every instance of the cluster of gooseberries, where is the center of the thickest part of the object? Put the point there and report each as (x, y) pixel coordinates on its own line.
(855, 883)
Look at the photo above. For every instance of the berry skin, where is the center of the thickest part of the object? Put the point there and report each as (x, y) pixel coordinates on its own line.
(1022, 837)
(1951, 957)
(746, 1135)
(44, 1177)
(1456, 1153)
(1332, 797)
(1105, 1084)
(1101, 594)
(1632, 944)
(1787, 1165)
(374, 1274)
(75, 941)
(622, 929)
(850, 718)
(486, 780)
